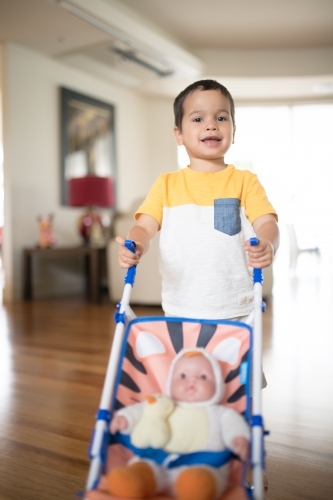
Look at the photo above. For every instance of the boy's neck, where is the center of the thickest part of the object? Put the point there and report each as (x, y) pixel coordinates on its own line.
(207, 165)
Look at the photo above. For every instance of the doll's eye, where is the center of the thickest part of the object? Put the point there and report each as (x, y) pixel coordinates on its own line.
(203, 377)
(182, 375)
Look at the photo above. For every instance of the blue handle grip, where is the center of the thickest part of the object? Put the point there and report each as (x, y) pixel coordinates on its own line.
(130, 245)
(257, 273)
(254, 242)
(130, 273)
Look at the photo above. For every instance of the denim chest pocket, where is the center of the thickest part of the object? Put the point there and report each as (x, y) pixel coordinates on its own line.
(227, 216)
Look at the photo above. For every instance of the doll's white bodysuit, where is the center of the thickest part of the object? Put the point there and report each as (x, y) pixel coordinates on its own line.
(193, 428)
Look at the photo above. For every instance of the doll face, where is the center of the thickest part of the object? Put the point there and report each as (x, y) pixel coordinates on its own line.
(193, 379)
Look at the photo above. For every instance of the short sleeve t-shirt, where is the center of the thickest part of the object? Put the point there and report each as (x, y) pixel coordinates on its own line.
(205, 219)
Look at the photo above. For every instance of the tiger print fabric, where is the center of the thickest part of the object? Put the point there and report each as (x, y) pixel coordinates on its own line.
(152, 343)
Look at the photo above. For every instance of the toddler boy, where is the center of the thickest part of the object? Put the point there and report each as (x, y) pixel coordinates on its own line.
(206, 213)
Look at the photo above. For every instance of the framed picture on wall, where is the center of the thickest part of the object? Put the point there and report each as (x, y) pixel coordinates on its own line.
(87, 139)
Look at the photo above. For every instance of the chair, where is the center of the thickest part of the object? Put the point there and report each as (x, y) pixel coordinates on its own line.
(294, 249)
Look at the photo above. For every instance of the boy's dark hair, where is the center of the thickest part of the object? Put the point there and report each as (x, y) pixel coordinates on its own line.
(178, 105)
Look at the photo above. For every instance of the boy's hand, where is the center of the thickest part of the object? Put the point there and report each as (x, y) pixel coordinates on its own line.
(126, 258)
(267, 231)
(142, 233)
(118, 424)
(260, 255)
(241, 447)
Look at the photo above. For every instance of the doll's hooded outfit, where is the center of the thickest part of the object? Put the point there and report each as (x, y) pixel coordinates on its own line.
(189, 428)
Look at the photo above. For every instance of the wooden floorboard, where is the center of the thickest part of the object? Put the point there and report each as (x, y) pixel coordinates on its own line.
(53, 358)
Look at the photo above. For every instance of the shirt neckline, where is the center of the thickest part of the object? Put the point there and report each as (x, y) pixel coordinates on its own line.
(190, 171)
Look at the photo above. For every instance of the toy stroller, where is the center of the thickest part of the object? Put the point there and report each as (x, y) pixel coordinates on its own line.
(142, 351)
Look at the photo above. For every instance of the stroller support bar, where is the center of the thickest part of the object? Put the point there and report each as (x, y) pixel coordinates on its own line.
(119, 317)
(101, 426)
(257, 453)
(257, 276)
(257, 421)
(96, 463)
(257, 429)
(130, 275)
(103, 416)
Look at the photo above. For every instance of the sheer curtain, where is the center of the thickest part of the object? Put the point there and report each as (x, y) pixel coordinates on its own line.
(290, 148)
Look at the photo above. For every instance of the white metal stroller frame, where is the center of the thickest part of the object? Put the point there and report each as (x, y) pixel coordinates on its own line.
(124, 314)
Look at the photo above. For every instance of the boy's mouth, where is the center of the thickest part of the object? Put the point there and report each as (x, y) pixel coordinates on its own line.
(211, 138)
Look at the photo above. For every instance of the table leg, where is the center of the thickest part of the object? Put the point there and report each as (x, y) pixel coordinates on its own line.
(87, 274)
(94, 270)
(27, 276)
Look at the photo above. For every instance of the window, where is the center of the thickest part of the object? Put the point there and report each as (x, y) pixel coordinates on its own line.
(290, 148)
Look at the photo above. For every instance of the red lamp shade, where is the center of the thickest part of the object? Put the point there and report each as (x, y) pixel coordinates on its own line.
(91, 191)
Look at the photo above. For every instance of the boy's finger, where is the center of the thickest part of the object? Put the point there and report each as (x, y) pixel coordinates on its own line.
(129, 260)
(120, 240)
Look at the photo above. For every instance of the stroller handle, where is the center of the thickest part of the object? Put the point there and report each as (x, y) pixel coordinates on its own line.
(130, 245)
(257, 272)
(130, 273)
(254, 241)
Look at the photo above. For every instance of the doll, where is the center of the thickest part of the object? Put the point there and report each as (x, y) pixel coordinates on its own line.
(189, 419)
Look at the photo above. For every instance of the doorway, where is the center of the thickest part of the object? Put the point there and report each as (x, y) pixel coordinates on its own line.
(2, 218)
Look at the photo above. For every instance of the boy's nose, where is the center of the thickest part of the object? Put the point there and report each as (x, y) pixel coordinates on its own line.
(211, 126)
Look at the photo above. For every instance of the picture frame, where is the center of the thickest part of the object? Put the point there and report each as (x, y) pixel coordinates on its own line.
(87, 138)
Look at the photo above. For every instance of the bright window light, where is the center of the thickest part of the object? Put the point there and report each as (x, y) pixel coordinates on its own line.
(290, 148)
(182, 157)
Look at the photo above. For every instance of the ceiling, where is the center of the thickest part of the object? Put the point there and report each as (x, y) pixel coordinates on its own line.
(260, 49)
(242, 24)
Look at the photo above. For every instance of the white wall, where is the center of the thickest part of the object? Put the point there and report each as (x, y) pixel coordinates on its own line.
(144, 145)
(267, 62)
(162, 151)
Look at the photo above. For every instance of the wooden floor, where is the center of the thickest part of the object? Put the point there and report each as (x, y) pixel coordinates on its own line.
(53, 357)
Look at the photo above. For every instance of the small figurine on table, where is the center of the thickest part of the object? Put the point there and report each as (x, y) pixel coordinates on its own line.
(46, 237)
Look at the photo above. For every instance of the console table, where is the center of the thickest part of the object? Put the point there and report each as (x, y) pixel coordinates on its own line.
(93, 257)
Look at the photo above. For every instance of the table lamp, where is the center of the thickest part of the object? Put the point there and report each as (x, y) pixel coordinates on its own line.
(91, 191)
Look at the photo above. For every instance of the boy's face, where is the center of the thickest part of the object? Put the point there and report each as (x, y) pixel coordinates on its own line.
(193, 380)
(207, 128)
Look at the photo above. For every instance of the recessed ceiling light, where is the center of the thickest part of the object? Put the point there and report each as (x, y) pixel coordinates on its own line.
(323, 88)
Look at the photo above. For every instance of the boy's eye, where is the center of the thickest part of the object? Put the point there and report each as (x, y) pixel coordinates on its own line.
(197, 120)
(182, 375)
(203, 377)
(221, 119)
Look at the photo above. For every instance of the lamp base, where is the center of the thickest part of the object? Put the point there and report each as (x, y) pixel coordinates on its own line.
(91, 229)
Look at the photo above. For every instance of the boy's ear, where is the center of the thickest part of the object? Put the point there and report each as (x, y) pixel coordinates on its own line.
(233, 135)
(178, 136)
